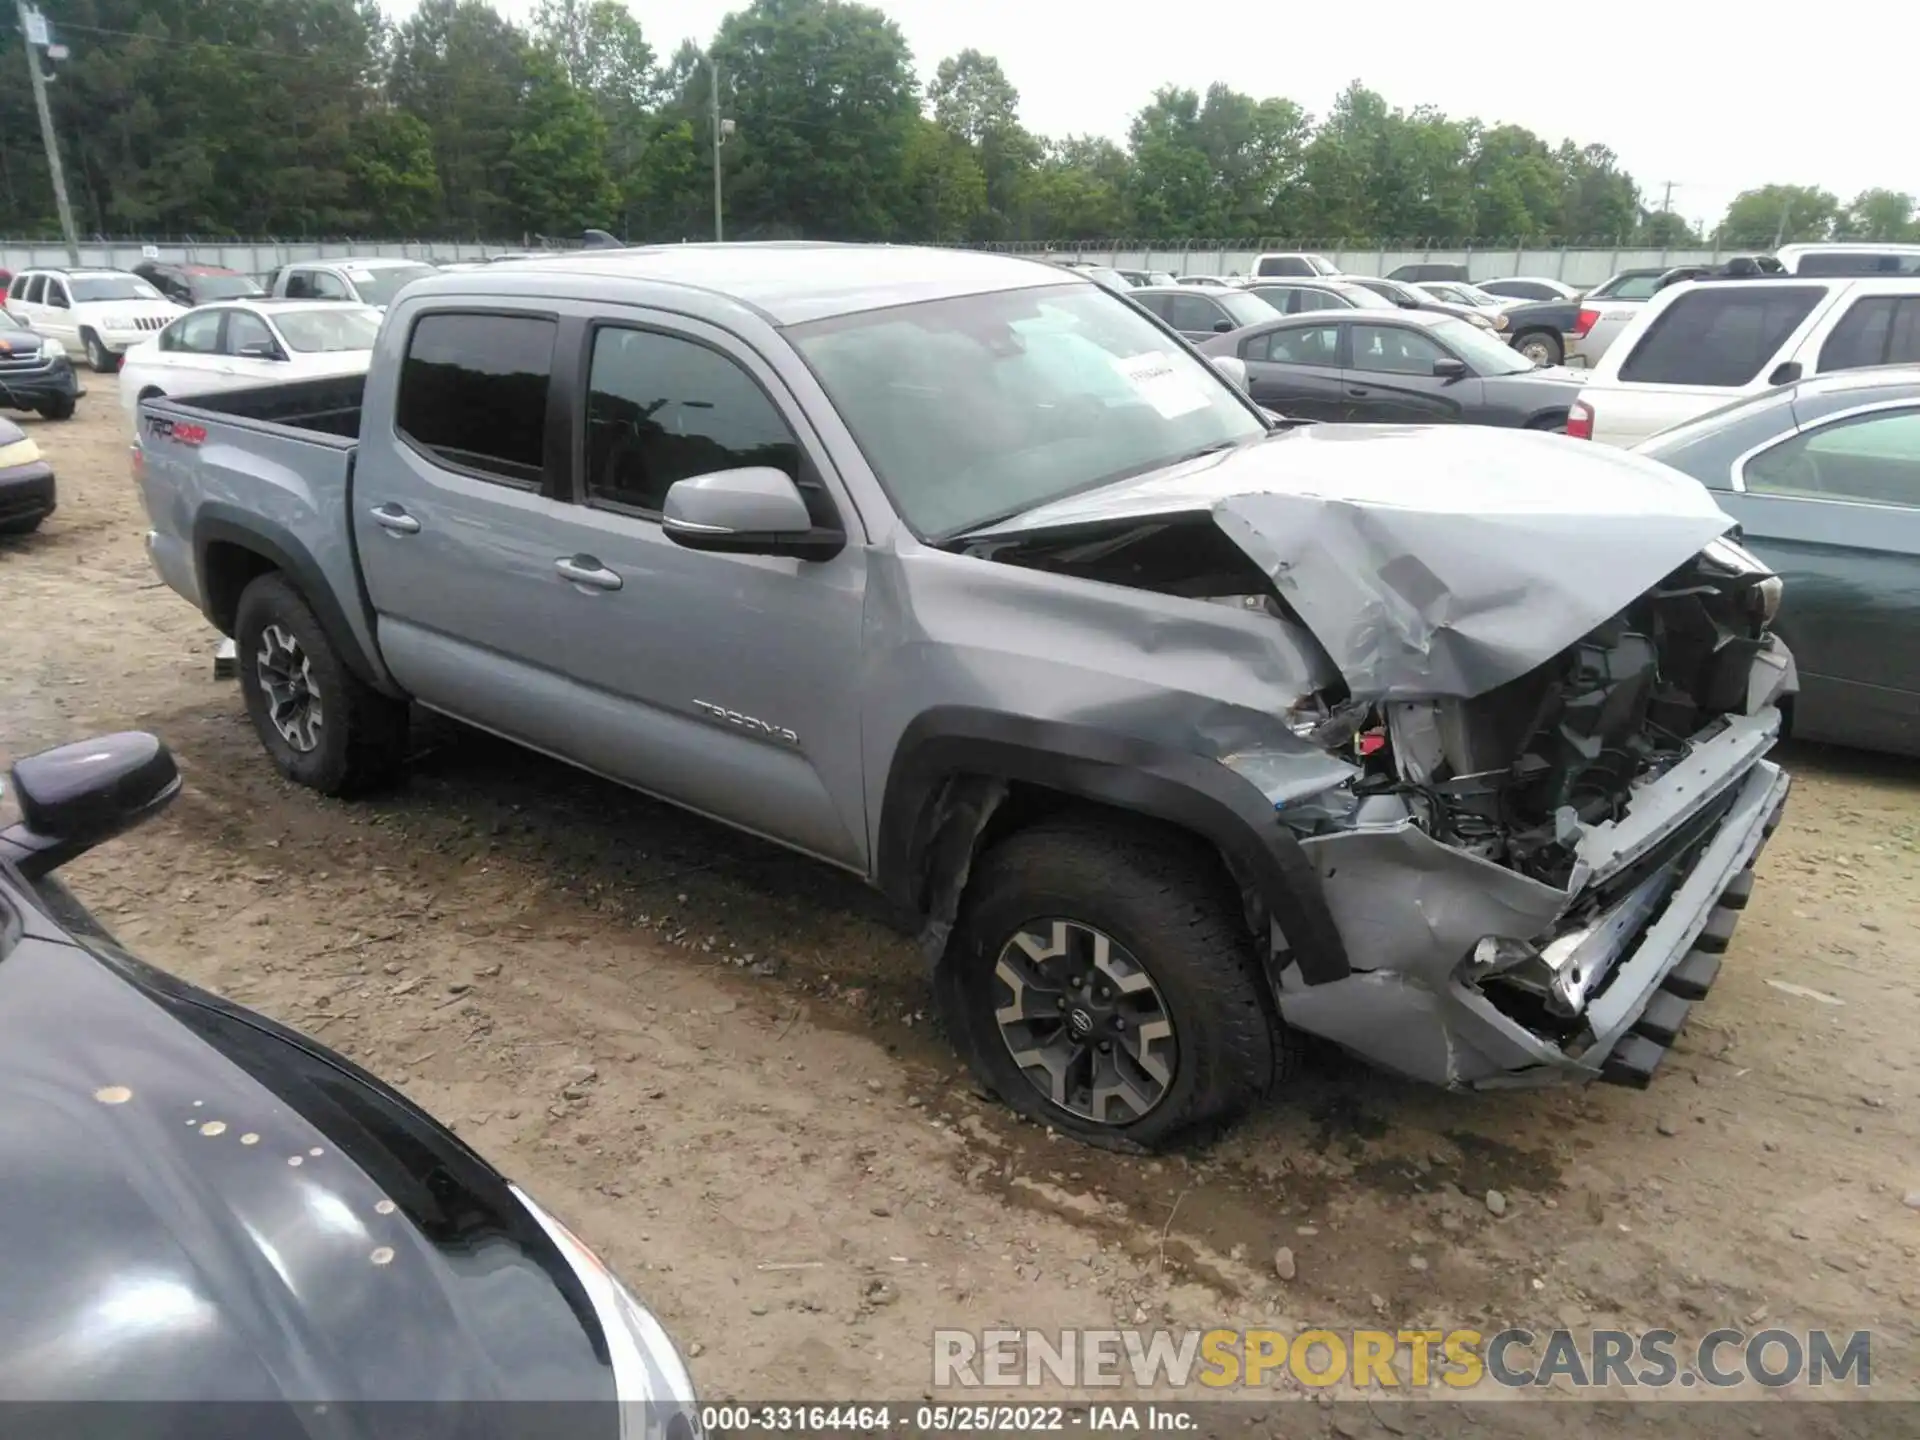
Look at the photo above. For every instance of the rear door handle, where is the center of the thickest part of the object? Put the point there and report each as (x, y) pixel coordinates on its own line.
(585, 570)
(1358, 390)
(394, 520)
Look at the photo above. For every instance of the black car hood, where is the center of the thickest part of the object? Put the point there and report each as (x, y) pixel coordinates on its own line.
(198, 1205)
(20, 342)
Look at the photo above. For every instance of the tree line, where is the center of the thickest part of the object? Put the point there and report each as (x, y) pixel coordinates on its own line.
(324, 117)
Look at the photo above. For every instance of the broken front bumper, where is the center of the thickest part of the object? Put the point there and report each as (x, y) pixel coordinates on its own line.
(1414, 910)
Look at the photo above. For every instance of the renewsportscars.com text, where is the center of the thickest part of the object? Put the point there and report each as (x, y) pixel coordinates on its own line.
(1514, 1358)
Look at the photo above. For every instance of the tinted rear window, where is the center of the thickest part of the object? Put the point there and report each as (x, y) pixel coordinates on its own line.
(473, 393)
(1858, 262)
(1719, 334)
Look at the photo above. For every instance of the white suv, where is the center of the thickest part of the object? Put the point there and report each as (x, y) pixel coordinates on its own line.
(1699, 345)
(100, 312)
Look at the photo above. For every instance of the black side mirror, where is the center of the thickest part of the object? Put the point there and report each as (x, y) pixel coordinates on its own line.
(74, 797)
(259, 350)
(1785, 373)
(1449, 367)
(1223, 327)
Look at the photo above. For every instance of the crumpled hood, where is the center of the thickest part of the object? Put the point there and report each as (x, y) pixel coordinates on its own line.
(1430, 561)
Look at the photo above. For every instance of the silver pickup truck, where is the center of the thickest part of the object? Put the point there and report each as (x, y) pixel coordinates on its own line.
(1175, 732)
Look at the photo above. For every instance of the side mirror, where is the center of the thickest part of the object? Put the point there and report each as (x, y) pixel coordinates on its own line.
(1232, 367)
(75, 796)
(259, 350)
(1449, 367)
(58, 302)
(1406, 302)
(756, 510)
(1222, 327)
(1785, 373)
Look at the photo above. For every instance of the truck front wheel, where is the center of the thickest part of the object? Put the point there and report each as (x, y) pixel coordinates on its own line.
(1101, 980)
(323, 726)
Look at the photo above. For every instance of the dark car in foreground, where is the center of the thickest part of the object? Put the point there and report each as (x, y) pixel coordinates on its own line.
(1824, 479)
(35, 373)
(26, 482)
(199, 1206)
(1394, 367)
(190, 285)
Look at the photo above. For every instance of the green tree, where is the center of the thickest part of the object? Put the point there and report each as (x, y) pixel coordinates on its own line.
(554, 175)
(1170, 190)
(1878, 215)
(390, 171)
(1666, 230)
(1519, 191)
(1076, 192)
(462, 71)
(826, 101)
(974, 101)
(1601, 202)
(946, 189)
(1777, 214)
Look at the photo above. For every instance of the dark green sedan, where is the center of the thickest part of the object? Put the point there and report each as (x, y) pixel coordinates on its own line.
(1824, 478)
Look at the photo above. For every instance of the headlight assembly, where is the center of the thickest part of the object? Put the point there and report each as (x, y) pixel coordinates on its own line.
(656, 1392)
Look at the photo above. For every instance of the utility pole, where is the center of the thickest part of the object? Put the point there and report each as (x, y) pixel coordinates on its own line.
(1666, 204)
(33, 30)
(721, 130)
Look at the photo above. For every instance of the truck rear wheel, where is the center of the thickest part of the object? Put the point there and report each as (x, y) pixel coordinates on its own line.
(1101, 980)
(323, 726)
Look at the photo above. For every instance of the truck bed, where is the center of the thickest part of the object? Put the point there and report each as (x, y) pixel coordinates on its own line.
(267, 470)
(329, 405)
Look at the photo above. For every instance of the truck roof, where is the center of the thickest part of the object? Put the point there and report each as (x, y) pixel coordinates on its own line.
(790, 282)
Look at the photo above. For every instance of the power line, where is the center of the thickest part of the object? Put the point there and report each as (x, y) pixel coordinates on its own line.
(188, 43)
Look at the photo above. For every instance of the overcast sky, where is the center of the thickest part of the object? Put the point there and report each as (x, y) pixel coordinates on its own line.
(1714, 97)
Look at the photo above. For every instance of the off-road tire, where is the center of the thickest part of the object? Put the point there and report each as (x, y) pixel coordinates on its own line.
(1541, 345)
(362, 737)
(1165, 897)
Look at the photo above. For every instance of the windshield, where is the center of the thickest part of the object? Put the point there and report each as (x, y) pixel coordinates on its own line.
(1241, 307)
(1361, 298)
(378, 287)
(1321, 265)
(326, 330)
(1626, 287)
(982, 406)
(1479, 349)
(223, 287)
(110, 287)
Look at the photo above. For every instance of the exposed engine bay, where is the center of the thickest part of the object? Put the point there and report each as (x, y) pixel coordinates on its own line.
(1512, 775)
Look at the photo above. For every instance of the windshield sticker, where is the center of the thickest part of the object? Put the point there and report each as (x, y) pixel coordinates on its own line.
(1155, 380)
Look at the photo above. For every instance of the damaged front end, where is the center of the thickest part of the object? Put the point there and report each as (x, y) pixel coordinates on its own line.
(1538, 880)
(1540, 787)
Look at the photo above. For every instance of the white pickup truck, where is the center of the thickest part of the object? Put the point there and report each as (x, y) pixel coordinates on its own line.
(1706, 343)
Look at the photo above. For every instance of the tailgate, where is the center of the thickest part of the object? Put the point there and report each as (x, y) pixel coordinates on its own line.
(1625, 415)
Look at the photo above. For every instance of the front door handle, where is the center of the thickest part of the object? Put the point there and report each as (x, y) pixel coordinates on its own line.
(394, 520)
(585, 570)
(1358, 390)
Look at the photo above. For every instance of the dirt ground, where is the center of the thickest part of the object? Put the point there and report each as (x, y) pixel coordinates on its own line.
(716, 1062)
